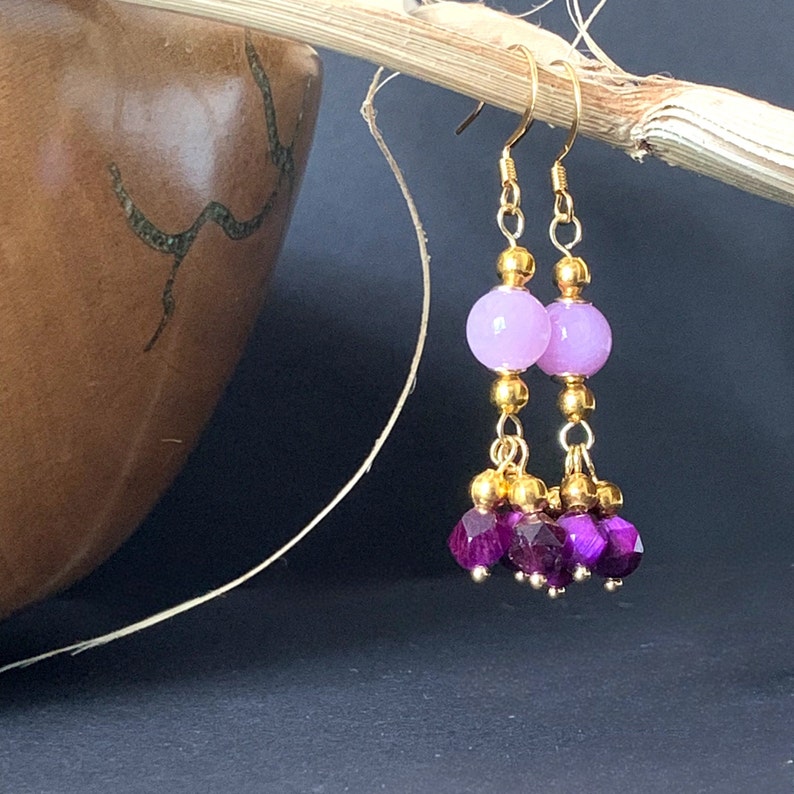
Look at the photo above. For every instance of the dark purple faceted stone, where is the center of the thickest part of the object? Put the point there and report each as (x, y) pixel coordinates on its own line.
(512, 517)
(588, 542)
(480, 538)
(561, 578)
(623, 550)
(539, 545)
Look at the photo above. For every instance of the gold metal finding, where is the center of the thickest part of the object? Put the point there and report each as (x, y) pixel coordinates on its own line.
(567, 445)
(479, 574)
(572, 275)
(554, 500)
(581, 573)
(526, 119)
(510, 199)
(488, 489)
(610, 497)
(576, 401)
(559, 178)
(528, 493)
(577, 103)
(537, 581)
(612, 585)
(515, 266)
(564, 213)
(578, 492)
(510, 451)
(509, 394)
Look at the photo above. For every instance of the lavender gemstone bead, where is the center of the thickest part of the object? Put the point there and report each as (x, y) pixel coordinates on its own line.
(539, 545)
(480, 539)
(581, 340)
(624, 548)
(508, 328)
(588, 542)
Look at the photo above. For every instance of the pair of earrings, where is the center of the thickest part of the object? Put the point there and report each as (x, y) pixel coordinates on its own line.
(549, 537)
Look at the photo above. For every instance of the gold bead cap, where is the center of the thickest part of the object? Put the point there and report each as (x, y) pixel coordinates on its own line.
(515, 266)
(571, 275)
(610, 497)
(528, 494)
(578, 492)
(488, 489)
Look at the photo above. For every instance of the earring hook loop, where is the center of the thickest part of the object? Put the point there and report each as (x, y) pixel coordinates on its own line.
(529, 112)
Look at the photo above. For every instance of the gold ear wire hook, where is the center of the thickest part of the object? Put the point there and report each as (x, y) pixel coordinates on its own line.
(563, 200)
(526, 118)
(577, 103)
(510, 200)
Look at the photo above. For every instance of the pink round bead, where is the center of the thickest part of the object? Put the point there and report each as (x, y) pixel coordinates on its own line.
(581, 340)
(508, 329)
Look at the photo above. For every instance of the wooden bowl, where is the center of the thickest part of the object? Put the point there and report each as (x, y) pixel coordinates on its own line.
(148, 164)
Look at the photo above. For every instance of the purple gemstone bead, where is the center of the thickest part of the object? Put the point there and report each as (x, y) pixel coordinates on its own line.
(561, 578)
(581, 340)
(588, 542)
(511, 517)
(539, 545)
(480, 539)
(624, 548)
(508, 328)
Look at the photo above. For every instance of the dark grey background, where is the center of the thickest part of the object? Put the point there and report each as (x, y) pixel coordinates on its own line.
(366, 661)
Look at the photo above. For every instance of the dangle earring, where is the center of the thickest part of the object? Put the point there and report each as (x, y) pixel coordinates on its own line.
(585, 506)
(508, 330)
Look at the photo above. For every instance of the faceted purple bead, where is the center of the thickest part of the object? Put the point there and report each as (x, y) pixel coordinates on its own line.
(588, 542)
(508, 328)
(539, 545)
(480, 539)
(580, 342)
(511, 517)
(561, 578)
(624, 548)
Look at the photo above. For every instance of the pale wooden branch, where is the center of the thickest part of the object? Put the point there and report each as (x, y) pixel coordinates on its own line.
(461, 46)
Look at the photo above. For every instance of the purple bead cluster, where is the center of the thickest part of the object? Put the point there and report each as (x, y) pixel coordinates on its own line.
(509, 330)
(537, 544)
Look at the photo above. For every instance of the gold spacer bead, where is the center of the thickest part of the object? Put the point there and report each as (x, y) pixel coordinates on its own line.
(576, 401)
(537, 581)
(509, 393)
(554, 500)
(612, 585)
(578, 492)
(488, 489)
(528, 493)
(556, 592)
(610, 497)
(479, 574)
(571, 274)
(515, 266)
(521, 577)
(581, 573)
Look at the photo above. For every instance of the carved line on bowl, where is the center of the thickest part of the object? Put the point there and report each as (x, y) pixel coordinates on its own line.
(178, 245)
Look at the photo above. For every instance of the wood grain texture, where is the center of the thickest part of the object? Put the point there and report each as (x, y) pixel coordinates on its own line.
(132, 140)
(462, 46)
